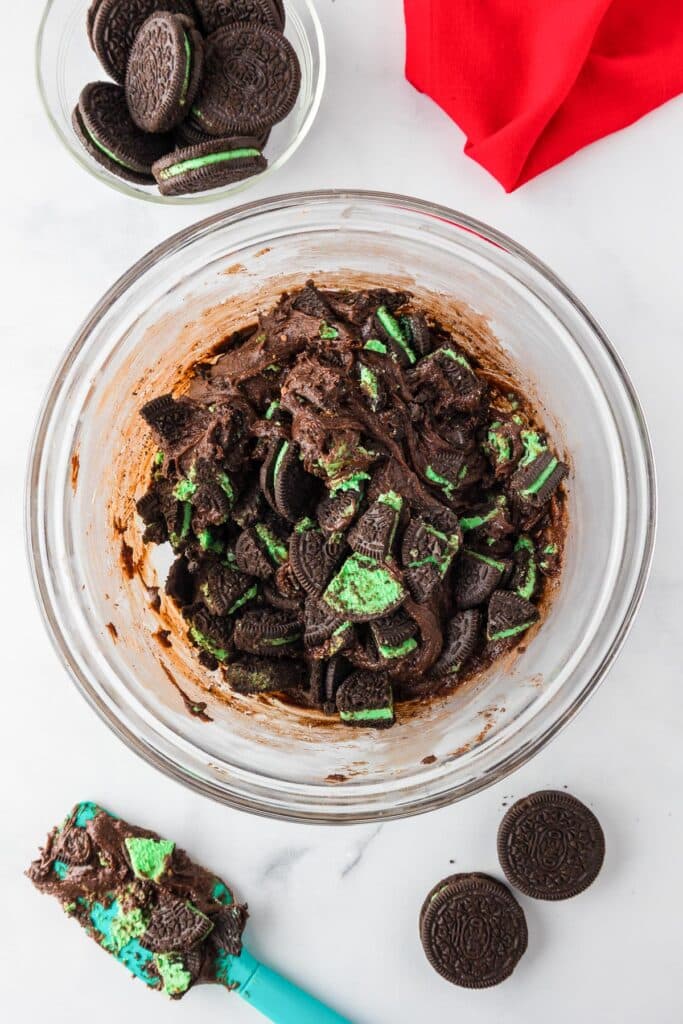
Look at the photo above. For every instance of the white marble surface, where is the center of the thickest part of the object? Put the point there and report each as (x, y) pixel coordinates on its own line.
(338, 908)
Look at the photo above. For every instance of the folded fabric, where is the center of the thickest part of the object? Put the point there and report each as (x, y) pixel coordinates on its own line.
(532, 81)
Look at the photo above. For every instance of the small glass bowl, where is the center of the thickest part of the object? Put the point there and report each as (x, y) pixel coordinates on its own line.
(65, 63)
(91, 458)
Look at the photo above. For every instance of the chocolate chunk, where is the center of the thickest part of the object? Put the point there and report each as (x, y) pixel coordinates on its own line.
(366, 699)
(262, 675)
(476, 577)
(312, 302)
(174, 422)
(175, 925)
(509, 616)
(463, 636)
(272, 634)
(180, 583)
(473, 931)
(551, 846)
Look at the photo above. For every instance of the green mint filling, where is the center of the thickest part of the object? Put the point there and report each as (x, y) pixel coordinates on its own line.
(499, 444)
(368, 382)
(184, 490)
(158, 459)
(367, 715)
(468, 523)
(149, 857)
(272, 409)
(527, 588)
(188, 69)
(249, 595)
(277, 469)
(208, 542)
(363, 587)
(275, 549)
(375, 345)
(485, 558)
(455, 357)
(107, 152)
(351, 483)
(392, 500)
(505, 634)
(281, 641)
(304, 525)
(533, 447)
(393, 329)
(206, 161)
(219, 653)
(185, 528)
(452, 544)
(225, 484)
(447, 486)
(400, 650)
(540, 480)
(175, 978)
(327, 332)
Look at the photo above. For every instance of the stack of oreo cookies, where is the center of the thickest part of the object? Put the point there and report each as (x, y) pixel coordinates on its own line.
(359, 515)
(196, 89)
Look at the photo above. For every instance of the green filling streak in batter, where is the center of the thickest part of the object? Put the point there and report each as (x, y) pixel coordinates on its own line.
(174, 977)
(368, 382)
(225, 484)
(351, 483)
(149, 857)
(276, 549)
(219, 653)
(393, 329)
(400, 650)
(485, 558)
(447, 486)
(363, 587)
(279, 460)
(188, 69)
(367, 715)
(327, 332)
(526, 589)
(533, 447)
(375, 345)
(244, 599)
(205, 161)
(208, 542)
(272, 409)
(452, 543)
(184, 490)
(505, 634)
(282, 641)
(535, 487)
(468, 523)
(499, 444)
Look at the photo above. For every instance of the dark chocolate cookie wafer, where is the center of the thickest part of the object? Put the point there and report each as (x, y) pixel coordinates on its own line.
(365, 698)
(261, 675)
(476, 578)
(90, 17)
(509, 615)
(215, 14)
(251, 81)
(115, 25)
(213, 164)
(164, 72)
(550, 845)
(473, 931)
(105, 128)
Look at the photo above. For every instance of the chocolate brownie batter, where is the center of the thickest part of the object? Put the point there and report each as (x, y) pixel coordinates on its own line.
(170, 922)
(359, 515)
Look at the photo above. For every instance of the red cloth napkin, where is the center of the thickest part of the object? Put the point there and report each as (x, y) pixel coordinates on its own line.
(532, 81)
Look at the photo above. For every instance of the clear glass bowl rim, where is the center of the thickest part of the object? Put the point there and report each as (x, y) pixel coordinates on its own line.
(119, 185)
(37, 554)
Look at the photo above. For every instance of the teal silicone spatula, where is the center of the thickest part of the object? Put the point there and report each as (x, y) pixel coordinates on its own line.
(170, 922)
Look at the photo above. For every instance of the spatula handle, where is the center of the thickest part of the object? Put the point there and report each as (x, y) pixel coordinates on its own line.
(279, 999)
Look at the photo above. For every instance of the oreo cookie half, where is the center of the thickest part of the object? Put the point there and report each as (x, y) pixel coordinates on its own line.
(106, 130)
(224, 591)
(116, 23)
(473, 930)
(463, 636)
(215, 14)
(366, 699)
(175, 925)
(313, 557)
(375, 532)
(271, 634)
(364, 589)
(476, 577)
(164, 72)
(216, 163)
(263, 675)
(509, 616)
(395, 636)
(427, 553)
(251, 81)
(551, 846)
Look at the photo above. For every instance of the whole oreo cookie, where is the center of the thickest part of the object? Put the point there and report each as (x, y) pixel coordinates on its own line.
(251, 81)
(106, 130)
(164, 72)
(116, 23)
(215, 14)
(551, 846)
(212, 164)
(473, 930)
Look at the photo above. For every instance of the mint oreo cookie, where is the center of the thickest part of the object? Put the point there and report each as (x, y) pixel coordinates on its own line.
(115, 25)
(164, 72)
(215, 14)
(207, 166)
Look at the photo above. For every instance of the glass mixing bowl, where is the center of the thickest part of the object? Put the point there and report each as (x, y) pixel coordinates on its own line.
(92, 452)
(65, 63)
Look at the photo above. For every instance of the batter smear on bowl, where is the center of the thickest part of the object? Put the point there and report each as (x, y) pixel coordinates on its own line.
(360, 516)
